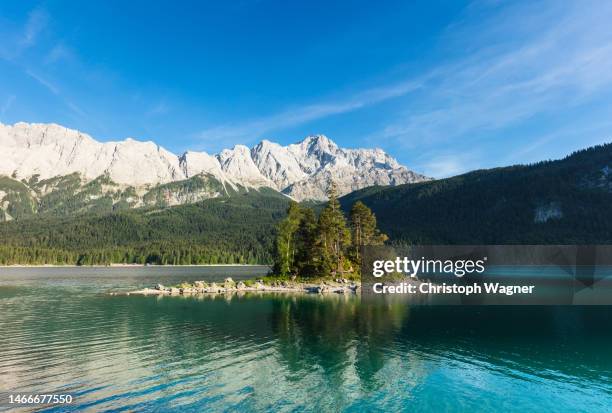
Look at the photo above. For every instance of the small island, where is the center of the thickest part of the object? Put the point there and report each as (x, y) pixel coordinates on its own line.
(313, 254)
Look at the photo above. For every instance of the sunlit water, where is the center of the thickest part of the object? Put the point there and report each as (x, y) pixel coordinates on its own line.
(61, 332)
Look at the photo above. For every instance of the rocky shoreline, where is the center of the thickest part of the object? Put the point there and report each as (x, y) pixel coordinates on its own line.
(229, 286)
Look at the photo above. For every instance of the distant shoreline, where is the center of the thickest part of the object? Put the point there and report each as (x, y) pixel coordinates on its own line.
(130, 265)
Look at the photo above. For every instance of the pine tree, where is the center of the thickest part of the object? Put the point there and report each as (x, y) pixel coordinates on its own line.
(306, 243)
(364, 230)
(333, 234)
(285, 242)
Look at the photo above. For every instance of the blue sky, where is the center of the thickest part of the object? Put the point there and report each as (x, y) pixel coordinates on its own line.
(445, 87)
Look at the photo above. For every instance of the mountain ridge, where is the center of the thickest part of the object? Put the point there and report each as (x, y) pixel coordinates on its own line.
(560, 202)
(563, 201)
(301, 170)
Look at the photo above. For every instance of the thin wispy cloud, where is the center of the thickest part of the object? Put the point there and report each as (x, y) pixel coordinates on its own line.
(7, 105)
(159, 109)
(17, 40)
(55, 90)
(75, 108)
(254, 128)
(445, 165)
(37, 21)
(583, 135)
(59, 53)
(51, 87)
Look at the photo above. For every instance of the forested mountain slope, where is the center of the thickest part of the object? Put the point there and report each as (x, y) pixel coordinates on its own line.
(237, 229)
(567, 201)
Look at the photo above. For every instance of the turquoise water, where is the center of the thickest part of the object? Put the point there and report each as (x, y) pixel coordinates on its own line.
(61, 332)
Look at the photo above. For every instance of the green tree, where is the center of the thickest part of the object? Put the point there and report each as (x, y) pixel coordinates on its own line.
(364, 230)
(285, 241)
(307, 246)
(334, 236)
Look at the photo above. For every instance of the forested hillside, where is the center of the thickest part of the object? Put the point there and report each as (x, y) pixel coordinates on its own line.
(568, 201)
(237, 229)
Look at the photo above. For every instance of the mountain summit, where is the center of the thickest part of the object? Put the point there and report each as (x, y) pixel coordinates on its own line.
(302, 170)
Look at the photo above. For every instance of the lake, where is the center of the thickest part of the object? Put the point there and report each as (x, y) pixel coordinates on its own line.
(62, 332)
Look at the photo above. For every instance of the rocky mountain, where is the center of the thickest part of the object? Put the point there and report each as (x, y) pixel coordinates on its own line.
(39, 159)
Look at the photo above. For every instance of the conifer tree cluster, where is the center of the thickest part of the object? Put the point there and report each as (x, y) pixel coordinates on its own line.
(326, 245)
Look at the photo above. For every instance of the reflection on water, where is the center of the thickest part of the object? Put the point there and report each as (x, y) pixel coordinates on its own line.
(279, 352)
